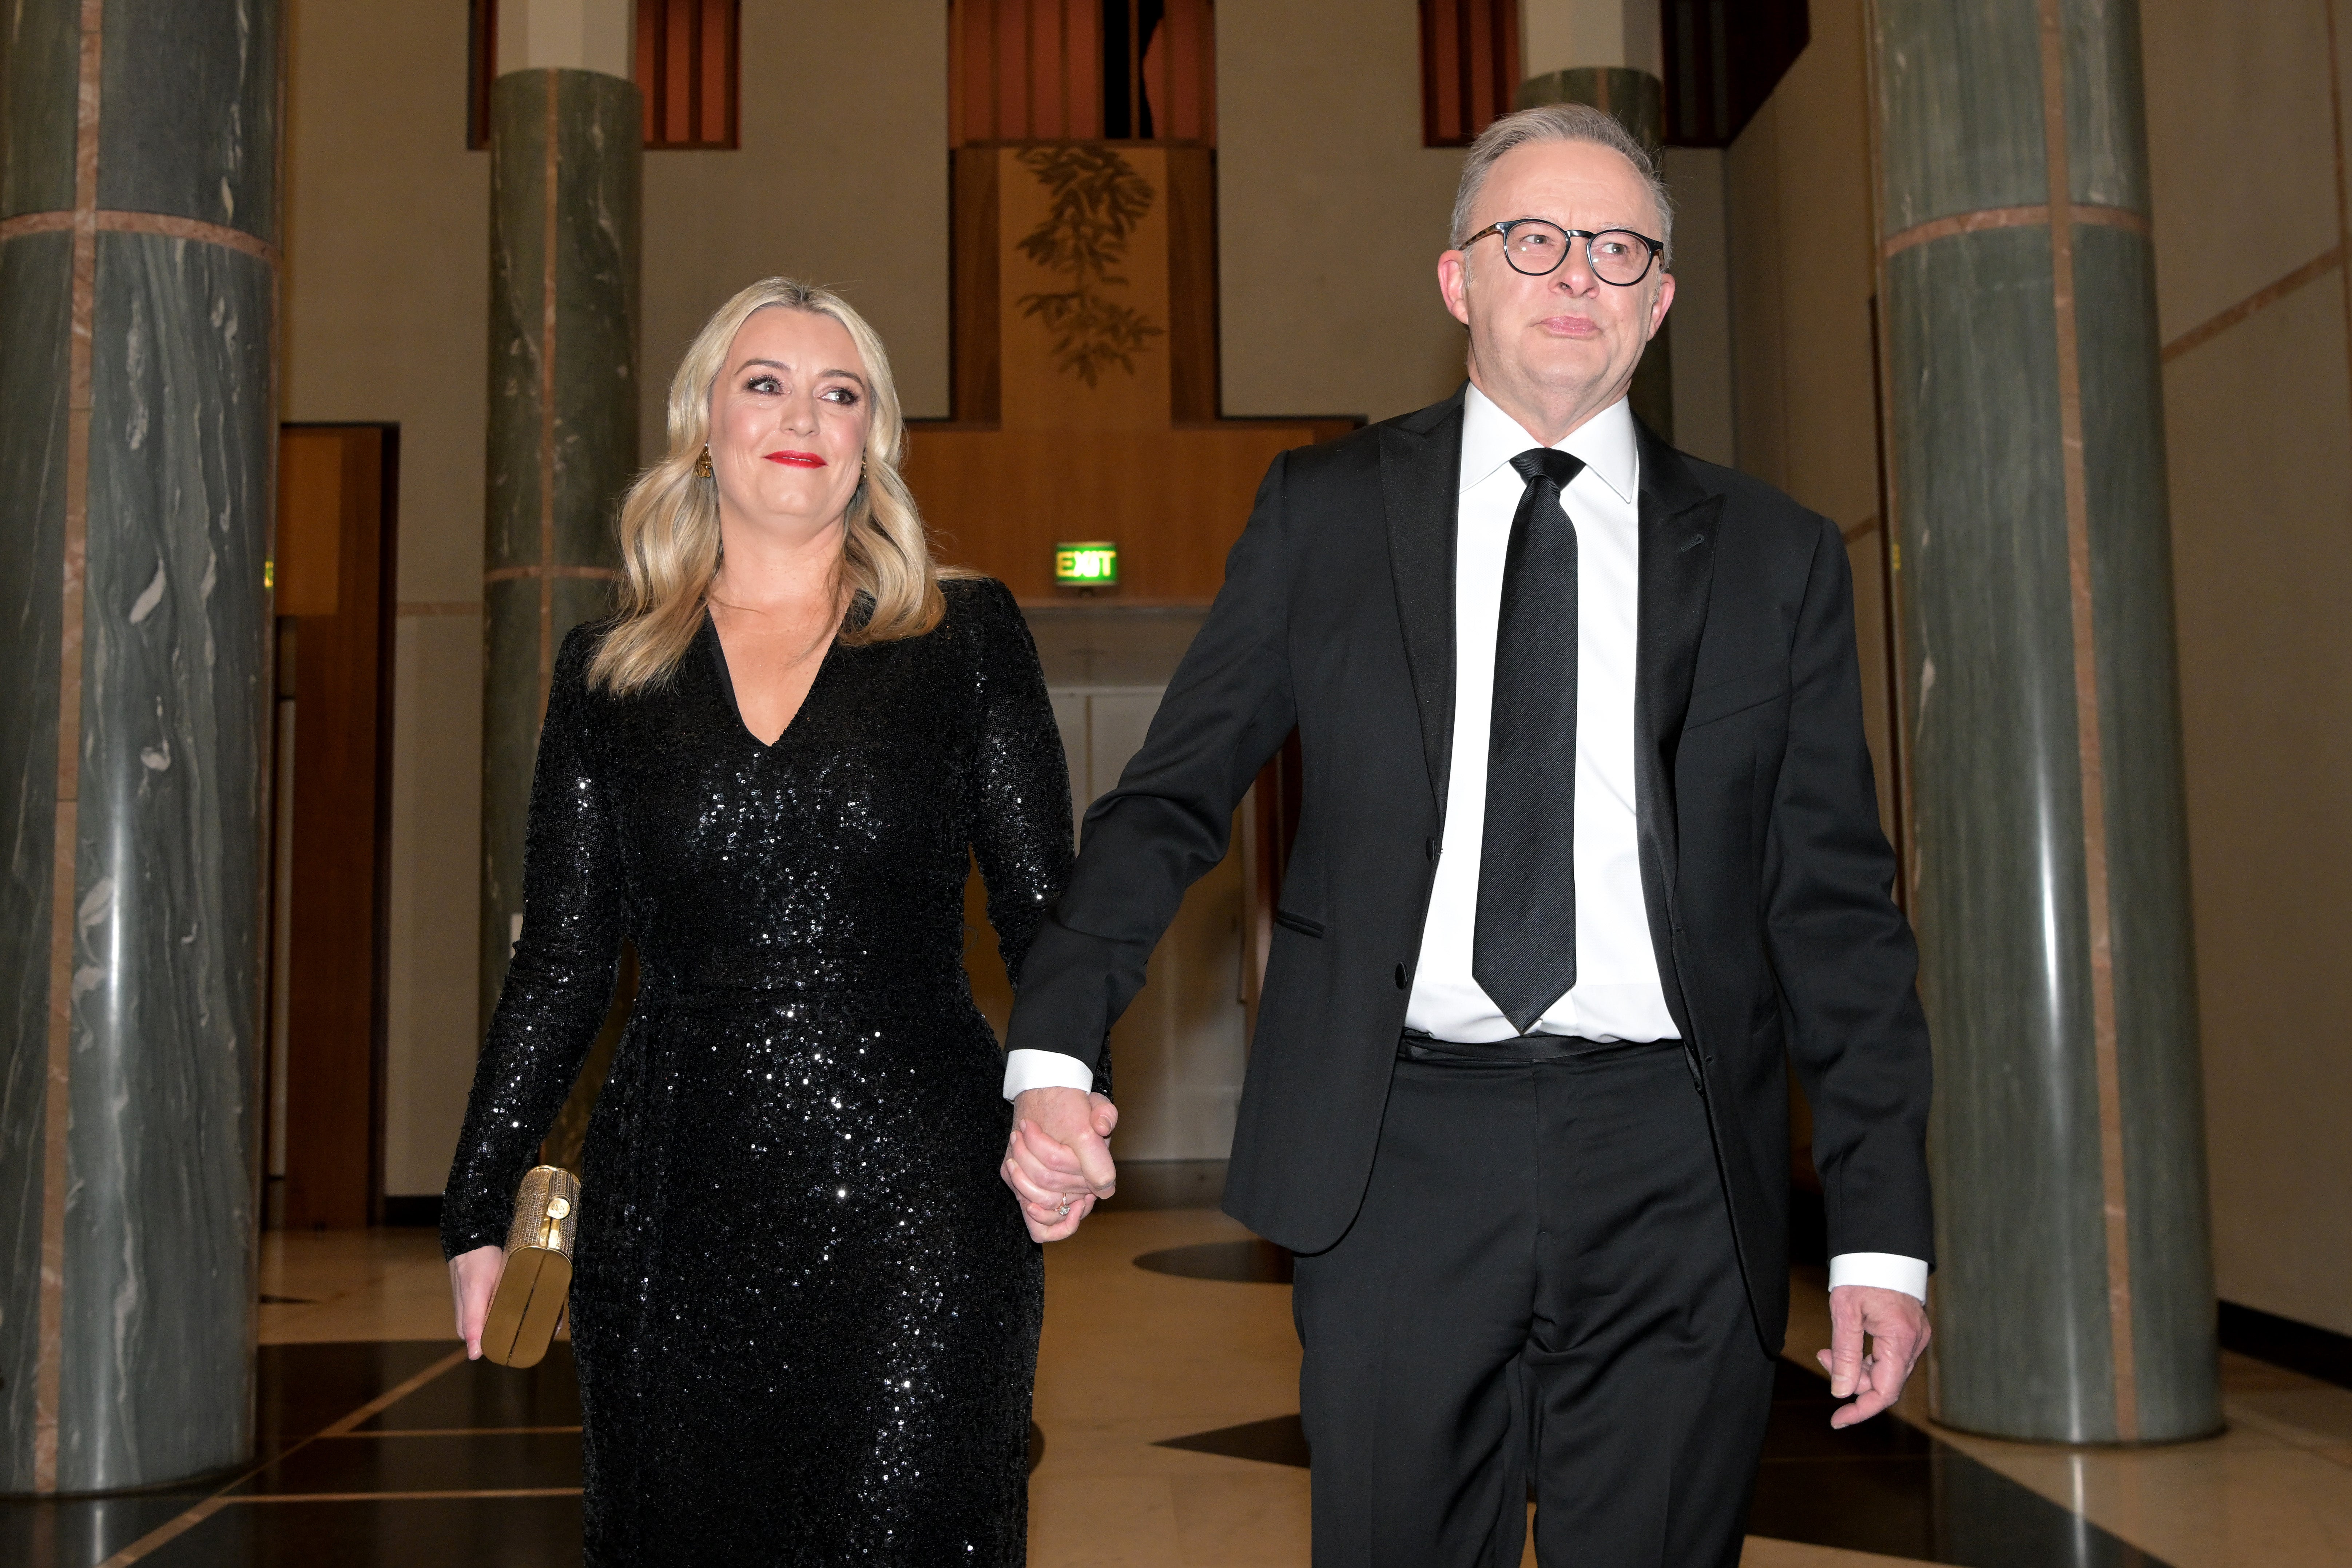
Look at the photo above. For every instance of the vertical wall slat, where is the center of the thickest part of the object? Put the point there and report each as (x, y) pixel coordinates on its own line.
(1023, 70)
(1086, 68)
(1469, 67)
(1011, 117)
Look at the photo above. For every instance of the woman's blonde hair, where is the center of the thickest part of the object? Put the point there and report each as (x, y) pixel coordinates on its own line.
(669, 521)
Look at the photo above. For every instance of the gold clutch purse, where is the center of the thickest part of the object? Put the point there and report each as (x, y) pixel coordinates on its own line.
(528, 1302)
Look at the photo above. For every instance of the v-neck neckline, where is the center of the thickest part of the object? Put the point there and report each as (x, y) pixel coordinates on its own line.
(734, 705)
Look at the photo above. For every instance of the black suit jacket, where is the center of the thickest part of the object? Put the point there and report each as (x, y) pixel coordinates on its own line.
(1764, 874)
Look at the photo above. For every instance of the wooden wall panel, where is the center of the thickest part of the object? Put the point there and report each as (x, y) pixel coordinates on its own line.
(1192, 181)
(1175, 500)
(1023, 70)
(1469, 68)
(1033, 70)
(975, 330)
(336, 481)
(688, 69)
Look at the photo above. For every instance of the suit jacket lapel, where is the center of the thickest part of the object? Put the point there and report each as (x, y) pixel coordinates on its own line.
(1420, 472)
(1678, 521)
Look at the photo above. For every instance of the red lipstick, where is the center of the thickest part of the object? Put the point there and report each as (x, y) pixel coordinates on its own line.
(796, 459)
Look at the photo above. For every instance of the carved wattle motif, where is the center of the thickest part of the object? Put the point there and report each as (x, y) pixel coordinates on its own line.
(1097, 200)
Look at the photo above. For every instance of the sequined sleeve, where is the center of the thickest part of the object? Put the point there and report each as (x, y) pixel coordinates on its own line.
(559, 982)
(1021, 794)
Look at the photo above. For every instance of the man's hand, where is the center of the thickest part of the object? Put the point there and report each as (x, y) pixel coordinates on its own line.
(1057, 1161)
(1896, 1323)
(473, 1280)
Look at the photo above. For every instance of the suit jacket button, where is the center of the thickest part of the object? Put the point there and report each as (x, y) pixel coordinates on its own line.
(1400, 976)
(1430, 846)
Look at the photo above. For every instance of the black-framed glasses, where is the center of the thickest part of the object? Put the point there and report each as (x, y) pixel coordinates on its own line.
(1537, 247)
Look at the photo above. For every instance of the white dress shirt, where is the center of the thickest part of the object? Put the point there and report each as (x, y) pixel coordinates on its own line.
(1617, 995)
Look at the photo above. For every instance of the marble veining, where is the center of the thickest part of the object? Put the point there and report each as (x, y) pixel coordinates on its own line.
(2148, 834)
(157, 1320)
(598, 157)
(190, 126)
(1999, 891)
(36, 287)
(2025, 1334)
(1952, 76)
(2107, 109)
(39, 63)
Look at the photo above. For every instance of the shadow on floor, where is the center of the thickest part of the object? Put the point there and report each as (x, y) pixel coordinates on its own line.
(1250, 1261)
(1883, 1487)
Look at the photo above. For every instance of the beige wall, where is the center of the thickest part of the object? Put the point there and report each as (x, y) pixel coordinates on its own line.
(1803, 274)
(2245, 149)
(842, 178)
(1797, 203)
(385, 311)
(1700, 333)
(1331, 214)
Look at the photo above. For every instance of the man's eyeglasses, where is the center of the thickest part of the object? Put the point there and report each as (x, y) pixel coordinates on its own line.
(1537, 247)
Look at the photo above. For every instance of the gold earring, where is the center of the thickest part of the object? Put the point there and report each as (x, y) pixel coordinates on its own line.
(703, 465)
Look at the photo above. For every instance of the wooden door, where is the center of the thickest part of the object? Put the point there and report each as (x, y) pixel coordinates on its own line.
(335, 583)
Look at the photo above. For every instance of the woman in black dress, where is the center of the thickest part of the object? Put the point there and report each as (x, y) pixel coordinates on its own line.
(805, 1310)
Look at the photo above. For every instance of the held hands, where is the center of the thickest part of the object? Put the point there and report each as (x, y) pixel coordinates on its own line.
(473, 1280)
(1896, 1323)
(1057, 1161)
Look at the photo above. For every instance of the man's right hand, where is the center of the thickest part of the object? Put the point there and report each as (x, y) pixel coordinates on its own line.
(1057, 1161)
(473, 1280)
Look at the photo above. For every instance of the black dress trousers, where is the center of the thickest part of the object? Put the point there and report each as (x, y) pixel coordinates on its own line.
(1540, 1287)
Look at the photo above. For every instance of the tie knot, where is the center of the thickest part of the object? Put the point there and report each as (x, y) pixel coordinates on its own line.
(1543, 463)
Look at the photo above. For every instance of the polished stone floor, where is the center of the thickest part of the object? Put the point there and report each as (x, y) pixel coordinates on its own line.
(1168, 1439)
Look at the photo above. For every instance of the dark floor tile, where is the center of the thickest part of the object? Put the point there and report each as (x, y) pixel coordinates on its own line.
(484, 1394)
(445, 1532)
(80, 1532)
(1278, 1441)
(302, 1389)
(1942, 1506)
(1246, 1262)
(474, 1462)
(1799, 1429)
(1887, 1487)
(1796, 1380)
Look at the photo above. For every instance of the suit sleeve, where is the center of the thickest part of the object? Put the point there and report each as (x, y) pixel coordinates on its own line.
(1841, 950)
(1226, 711)
(559, 982)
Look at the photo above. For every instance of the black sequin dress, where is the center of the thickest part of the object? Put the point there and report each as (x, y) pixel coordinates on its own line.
(806, 1310)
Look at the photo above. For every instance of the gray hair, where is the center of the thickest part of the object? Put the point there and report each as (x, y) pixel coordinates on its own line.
(1561, 122)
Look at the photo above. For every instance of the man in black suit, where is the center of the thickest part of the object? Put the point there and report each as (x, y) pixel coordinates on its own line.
(1589, 848)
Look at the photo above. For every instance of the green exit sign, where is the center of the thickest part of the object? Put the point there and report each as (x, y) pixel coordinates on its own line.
(1091, 563)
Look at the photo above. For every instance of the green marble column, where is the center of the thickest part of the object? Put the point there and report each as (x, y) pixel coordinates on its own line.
(566, 162)
(138, 443)
(2050, 875)
(1638, 100)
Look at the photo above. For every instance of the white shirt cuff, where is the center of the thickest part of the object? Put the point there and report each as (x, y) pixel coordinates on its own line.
(1886, 1271)
(1044, 1070)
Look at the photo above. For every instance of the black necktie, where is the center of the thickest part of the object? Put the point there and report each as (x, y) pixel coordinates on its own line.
(1524, 953)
